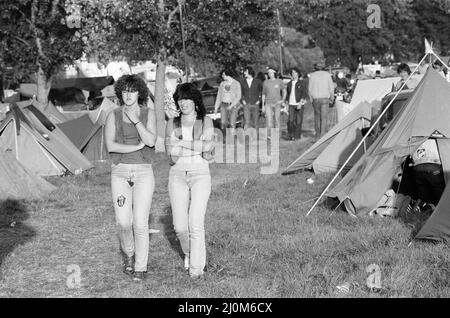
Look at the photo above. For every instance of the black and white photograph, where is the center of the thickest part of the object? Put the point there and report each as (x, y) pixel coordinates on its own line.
(224, 156)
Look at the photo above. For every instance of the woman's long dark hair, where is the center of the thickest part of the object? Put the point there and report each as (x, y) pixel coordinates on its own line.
(132, 83)
(190, 91)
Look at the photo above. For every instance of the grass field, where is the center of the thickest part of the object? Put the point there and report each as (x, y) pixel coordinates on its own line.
(259, 243)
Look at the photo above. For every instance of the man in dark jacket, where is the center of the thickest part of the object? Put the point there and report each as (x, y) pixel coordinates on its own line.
(251, 88)
(297, 94)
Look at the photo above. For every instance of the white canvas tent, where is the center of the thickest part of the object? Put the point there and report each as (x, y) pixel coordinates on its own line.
(38, 143)
(17, 182)
(367, 91)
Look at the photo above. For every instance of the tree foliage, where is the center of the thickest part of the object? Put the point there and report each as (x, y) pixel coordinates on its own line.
(340, 28)
(39, 34)
(433, 19)
(230, 32)
(34, 34)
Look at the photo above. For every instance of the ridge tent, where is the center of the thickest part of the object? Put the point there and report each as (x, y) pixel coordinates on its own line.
(86, 136)
(329, 153)
(427, 112)
(97, 115)
(394, 108)
(86, 130)
(18, 182)
(39, 144)
(54, 114)
(368, 91)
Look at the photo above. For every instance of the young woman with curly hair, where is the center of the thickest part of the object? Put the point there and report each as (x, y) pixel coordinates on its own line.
(130, 134)
(189, 143)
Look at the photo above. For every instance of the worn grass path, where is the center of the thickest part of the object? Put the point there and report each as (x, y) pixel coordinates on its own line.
(259, 243)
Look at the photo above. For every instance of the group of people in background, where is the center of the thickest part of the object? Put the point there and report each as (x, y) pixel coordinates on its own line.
(268, 94)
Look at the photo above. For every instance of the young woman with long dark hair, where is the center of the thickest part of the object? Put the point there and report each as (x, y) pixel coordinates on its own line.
(189, 143)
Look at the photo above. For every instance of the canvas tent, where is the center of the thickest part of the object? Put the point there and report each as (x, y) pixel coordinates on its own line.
(38, 143)
(84, 83)
(73, 92)
(329, 152)
(367, 91)
(97, 115)
(426, 113)
(86, 136)
(18, 182)
(54, 114)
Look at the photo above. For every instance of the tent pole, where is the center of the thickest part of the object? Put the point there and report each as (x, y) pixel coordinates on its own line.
(372, 127)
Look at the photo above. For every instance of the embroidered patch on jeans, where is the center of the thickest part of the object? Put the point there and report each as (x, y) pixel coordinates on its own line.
(121, 201)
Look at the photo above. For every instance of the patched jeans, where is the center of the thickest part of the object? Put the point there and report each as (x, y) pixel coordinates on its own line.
(189, 194)
(132, 188)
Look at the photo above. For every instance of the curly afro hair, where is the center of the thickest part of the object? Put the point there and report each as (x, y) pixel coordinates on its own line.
(132, 83)
(190, 91)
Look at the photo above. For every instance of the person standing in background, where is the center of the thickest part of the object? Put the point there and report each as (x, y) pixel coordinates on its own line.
(321, 92)
(297, 93)
(228, 100)
(273, 97)
(251, 96)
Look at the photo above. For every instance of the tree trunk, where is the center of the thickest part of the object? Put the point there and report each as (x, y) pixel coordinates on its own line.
(159, 104)
(43, 87)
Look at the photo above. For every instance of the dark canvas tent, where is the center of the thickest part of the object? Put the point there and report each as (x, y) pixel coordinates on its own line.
(18, 182)
(38, 143)
(84, 83)
(69, 91)
(427, 112)
(97, 115)
(86, 136)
